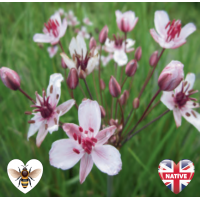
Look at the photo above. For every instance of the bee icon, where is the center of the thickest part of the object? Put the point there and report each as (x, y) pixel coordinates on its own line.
(24, 176)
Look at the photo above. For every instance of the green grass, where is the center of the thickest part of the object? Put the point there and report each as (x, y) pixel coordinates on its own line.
(140, 156)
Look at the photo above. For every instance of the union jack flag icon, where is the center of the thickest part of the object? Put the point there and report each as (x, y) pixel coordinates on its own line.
(176, 177)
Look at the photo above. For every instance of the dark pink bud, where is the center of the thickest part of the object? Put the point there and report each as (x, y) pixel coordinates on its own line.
(114, 87)
(138, 53)
(171, 76)
(102, 84)
(103, 35)
(63, 64)
(126, 94)
(136, 103)
(72, 79)
(153, 59)
(131, 68)
(103, 112)
(93, 43)
(10, 78)
(113, 122)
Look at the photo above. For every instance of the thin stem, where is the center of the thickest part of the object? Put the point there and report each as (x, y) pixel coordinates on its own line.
(72, 95)
(124, 82)
(61, 46)
(116, 108)
(111, 115)
(100, 91)
(148, 77)
(88, 89)
(144, 112)
(25, 94)
(95, 86)
(82, 90)
(130, 136)
(128, 117)
(122, 113)
(131, 83)
(109, 186)
(152, 108)
(115, 65)
(121, 74)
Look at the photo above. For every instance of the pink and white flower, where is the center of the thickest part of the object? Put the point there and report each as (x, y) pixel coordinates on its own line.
(118, 46)
(86, 143)
(87, 21)
(82, 61)
(61, 11)
(83, 32)
(72, 19)
(126, 21)
(169, 34)
(181, 103)
(47, 113)
(53, 30)
(52, 51)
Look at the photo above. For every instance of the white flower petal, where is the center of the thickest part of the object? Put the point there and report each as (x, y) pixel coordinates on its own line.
(129, 43)
(56, 17)
(103, 136)
(72, 47)
(161, 19)
(92, 63)
(192, 117)
(187, 30)
(190, 78)
(53, 122)
(177, 116)
(63, 28)
(34, 127)
(66, 106)
(154, 35)
(82, 45)
(168, 99)
(120, 57)
(107, 158)
(85, 167)
(70, 63)
(41, 135)
(52, 51)
(62, 155)
(89, 116)
(42, 38)
(109, 46)
(53, 89)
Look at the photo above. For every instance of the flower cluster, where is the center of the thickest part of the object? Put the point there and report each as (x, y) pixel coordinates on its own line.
(101, 133)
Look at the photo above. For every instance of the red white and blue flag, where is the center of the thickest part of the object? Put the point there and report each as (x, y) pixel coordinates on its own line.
(176, 177)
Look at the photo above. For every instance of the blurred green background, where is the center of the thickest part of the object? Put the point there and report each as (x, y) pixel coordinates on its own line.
(140, 156)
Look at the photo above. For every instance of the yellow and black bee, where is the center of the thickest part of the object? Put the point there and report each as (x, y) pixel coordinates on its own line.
(24, 176)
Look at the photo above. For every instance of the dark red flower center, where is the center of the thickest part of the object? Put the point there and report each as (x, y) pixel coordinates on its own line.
(118, 41)
(45, 107)
(52, 27)
(182, 98)
(86, 142)
(82, 62)
(174, 29)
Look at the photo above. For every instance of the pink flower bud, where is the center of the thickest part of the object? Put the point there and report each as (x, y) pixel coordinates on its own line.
(103, 35)
(10, 78)
(72, 79)
(153, 59)
(93, 43)
(114, 87)
(122, 99)
(138, 53)
(113, 122)
(103, 112)
(102, 84)
(136, 103)
(171, 76)
(126, 94)
(63, 64)
(131, 68)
